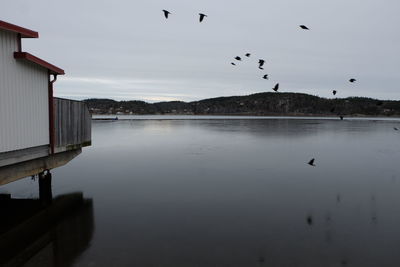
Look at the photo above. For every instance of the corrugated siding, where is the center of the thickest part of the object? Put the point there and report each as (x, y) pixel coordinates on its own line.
(23, 99)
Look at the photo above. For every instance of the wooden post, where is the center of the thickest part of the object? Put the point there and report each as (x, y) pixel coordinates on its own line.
(45, 192)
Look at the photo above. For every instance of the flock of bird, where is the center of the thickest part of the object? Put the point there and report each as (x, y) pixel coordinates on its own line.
(261, 63)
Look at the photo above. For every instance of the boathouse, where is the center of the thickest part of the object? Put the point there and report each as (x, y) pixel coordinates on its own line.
(37, 131)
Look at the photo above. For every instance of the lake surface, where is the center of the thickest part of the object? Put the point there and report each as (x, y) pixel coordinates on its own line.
(236, 192)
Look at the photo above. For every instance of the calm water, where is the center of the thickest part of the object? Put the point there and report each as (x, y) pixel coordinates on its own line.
(235, 192)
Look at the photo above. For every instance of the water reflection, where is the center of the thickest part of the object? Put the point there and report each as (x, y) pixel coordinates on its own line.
(44, 231)
(239, 193)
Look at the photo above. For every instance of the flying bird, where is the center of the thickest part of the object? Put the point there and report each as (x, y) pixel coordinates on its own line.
(265, 77)
(304, 27)
(311, 162)
(261, 68)
(352, 80)
(276, 87)
(233, 64)
(248, 55)
(166, 13)
(202, 16)
(261, 62)
(334, 92)
(395, 128)
(238, 58)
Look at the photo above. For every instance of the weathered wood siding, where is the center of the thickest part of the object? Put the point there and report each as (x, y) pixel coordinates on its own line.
(72, 124)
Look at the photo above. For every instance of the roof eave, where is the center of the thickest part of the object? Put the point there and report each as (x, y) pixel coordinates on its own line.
(31, 58)
(25, 33)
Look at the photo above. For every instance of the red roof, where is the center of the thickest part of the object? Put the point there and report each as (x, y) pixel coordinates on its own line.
(25, 33)
(24, 55)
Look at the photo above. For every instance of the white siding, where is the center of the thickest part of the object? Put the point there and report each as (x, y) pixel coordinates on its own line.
(24, 112)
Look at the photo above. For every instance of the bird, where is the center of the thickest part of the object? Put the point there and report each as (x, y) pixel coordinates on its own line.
(233, 64)
(304, 27)
(202, 16)
(334, 92)
(352, 80)
(261, 62)
(238, 58)
(341, 117)
(166, 13)
(395, 128)
(276, 87)
(265, 77)
(261, 68)
(248, 55)
(311, 162)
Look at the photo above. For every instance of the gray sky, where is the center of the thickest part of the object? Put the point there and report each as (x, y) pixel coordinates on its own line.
(127, 50)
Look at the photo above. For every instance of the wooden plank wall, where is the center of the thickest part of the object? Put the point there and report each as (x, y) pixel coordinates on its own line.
(72, 123)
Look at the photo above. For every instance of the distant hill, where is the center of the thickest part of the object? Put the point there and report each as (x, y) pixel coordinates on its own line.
(292, 104)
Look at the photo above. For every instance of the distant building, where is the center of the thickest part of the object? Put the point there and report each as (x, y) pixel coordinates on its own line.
(37, 131)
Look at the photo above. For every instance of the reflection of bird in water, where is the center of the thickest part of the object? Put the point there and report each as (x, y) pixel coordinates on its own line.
(309, 220)
(311, 162)
(166, 13)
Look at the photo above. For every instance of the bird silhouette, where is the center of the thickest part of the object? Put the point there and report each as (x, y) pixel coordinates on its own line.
(352, 80)
(233, 64)
(395, 128)
(276, 87)
(238, 58)
(248, 55)
(304, 27)
(166, 13)
(341, 117)
(261, 62)
(311, 162)
(334, 92)
(261, 68)
(202, 16)
(265, 77)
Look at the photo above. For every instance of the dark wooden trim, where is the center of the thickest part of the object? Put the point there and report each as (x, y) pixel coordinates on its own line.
(25, 33)
(19, 42)
(52, 69)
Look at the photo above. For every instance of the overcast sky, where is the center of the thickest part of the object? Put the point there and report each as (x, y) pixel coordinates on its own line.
(126, 49)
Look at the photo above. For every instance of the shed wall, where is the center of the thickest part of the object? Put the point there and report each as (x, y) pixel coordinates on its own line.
(24, 112)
